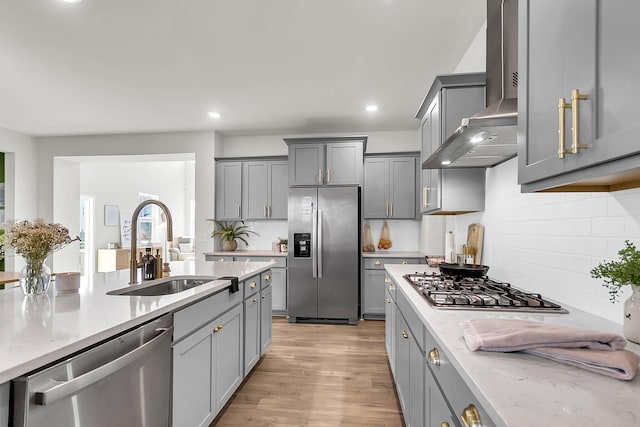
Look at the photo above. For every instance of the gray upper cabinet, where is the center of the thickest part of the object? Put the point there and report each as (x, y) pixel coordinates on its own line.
(264, 189)
(228, 190)
(450, 99)
(390, 187)
(578, 51)
(325, 161)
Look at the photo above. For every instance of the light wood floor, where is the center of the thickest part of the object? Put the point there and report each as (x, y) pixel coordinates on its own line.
(318, 375)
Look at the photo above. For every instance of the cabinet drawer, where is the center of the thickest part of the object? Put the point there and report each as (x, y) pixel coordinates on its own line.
(378, 263)
(219, 258)
(251, 285)
(412, 319)
(265, 279)
(196, 315)
(454, 389)
(281, 261)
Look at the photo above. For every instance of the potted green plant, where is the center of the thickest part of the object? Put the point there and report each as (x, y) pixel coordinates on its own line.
(229, 231)
(617, 274)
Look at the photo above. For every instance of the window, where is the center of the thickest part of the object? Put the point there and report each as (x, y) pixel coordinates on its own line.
(149, 219)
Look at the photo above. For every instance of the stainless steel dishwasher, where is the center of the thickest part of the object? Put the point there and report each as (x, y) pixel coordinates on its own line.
(125, 381)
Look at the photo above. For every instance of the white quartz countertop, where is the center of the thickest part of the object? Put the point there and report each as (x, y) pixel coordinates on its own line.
(247, 253)
(392, 254)
(35, 331)
(524, 390)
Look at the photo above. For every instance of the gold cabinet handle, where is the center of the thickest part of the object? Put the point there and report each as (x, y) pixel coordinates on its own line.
(267, 277)
(328, 175)
(434, 357)
(253, 285)
(425, 192)
(377, 262)
(269, 211)
(386, 210)
(471, 417)
(405, 262)
(562, 105)
(444, 424)
(319, 176)
(264, 211)
(217, 328)
(405, 334)
(388, 301)
(391, 210)
(576, 97)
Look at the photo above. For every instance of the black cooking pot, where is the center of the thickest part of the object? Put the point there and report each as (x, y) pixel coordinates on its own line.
(465, 270)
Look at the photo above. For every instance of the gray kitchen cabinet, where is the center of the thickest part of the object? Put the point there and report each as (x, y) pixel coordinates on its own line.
(207, 368)
(264, 189)
(374, 283)
(390, 329)
(228, 190)
(325, 161)
(278, 282)
(450, 99)
(4, 403)
(578, 51)
(409, 374)
(251, 327)
(390, 187)
(266, 325)
(436, 410)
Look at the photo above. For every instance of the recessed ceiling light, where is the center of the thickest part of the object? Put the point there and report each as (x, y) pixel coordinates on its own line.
(371, 108)
(214, 114)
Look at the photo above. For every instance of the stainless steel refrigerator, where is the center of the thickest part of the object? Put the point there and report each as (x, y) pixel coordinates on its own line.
(324, 254)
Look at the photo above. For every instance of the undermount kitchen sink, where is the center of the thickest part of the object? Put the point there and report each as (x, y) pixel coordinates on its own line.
(165, 286)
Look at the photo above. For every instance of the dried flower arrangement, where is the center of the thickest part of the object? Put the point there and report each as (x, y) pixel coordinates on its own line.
(37, 239)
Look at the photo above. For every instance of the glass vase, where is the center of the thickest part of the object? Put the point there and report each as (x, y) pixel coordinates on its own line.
(631, 323)
(35, 277)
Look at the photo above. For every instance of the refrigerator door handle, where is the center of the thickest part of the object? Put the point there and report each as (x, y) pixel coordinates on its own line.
(314, 240)
(319, 263)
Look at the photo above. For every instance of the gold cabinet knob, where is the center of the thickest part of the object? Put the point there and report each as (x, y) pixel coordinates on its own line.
(434, 357)
(253, 285)
(264, 297)
(255, 300)
(267, 277)
(377, 262)
(471, 417)
(248, 260)
(444, 424)
(388, 301)
(221, 260)
(405, 334)
(405, 262)
(216, 329)
(391, 287)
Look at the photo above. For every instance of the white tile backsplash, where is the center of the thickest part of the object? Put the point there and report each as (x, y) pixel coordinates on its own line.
(549, 242)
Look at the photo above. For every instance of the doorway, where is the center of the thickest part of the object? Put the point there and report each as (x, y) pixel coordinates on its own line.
(86, 234)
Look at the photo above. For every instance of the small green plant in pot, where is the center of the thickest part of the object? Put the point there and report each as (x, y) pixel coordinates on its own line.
(229, 231)
(617, 274)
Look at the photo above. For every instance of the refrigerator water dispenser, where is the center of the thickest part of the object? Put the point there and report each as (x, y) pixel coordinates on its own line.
(302, 245)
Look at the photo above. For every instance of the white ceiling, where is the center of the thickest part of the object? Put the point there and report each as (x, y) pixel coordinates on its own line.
(268, 66)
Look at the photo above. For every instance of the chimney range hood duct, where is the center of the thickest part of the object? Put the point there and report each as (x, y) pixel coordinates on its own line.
(489, 137)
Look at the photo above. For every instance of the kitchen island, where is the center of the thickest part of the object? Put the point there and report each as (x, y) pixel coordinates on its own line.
(516, 389)
(38, 331)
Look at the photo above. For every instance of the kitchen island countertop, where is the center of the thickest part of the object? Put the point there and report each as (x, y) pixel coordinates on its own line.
(247, 253)
(392, 254)
(523, 390)
(36, 331)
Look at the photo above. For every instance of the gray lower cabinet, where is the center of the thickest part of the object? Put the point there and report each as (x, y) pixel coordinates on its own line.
(228, 190)
(450, 99)
(4, 403)
(409, 372)
(278, 279)
(252, 321)
(578, 52)
(390, 329)
(325, 161)
(436, 410)
(390, 187)
(265, 189)
(265, 315)
(207, 369)
(375, 279)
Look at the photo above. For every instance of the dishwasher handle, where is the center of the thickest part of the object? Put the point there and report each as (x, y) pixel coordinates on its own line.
(73, 386)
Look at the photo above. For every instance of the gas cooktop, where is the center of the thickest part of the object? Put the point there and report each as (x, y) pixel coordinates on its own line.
(477, 293)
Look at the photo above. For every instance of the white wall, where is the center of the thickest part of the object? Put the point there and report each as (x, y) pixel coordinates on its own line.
(66, 211)
(474, 58)
(201, 144)
(21, 190)
(549, 242)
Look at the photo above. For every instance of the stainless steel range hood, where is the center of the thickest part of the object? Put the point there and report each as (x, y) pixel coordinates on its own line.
(489, 137)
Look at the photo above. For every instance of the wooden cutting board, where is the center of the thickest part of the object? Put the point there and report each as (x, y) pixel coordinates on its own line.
(474, 241)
